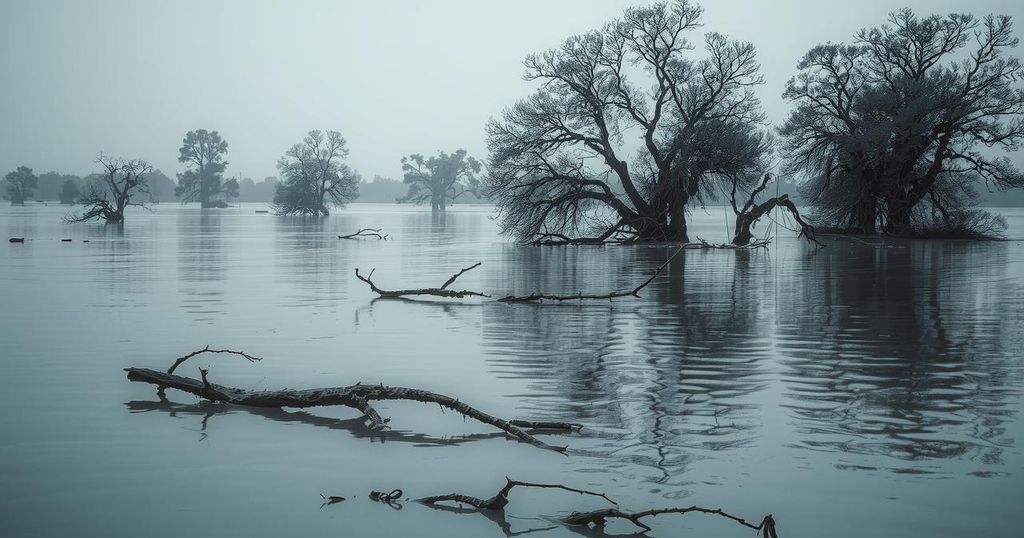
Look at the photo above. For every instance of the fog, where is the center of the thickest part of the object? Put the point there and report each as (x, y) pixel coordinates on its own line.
(130, 78)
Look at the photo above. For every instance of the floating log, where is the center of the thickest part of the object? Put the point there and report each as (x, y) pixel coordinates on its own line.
(16, 240)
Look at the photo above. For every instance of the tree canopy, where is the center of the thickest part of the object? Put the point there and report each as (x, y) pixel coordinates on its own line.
(558, 161)
(439, 179)
(19, 185)
(204, 151)
(894, 130)
(315, 176)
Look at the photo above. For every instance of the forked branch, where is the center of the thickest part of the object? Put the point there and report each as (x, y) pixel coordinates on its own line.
(441, 291)
(366, 232)
(537, 297)
(500, 499)
(599, 517)
(356, 396)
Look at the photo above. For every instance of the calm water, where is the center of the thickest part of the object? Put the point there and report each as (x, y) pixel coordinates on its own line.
(868, 389)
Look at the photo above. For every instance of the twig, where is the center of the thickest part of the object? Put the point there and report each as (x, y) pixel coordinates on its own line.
(500, 499)
(207, 349)
(366, 232)
(536, 297)
(330, 499)
(442, 291)
(598, 517)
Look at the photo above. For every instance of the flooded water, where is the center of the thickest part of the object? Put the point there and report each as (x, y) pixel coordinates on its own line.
(866, 389)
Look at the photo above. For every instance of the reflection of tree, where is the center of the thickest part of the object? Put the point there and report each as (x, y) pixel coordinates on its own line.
(201, 261)
(311, 259)
(658, 377)
(905, 356)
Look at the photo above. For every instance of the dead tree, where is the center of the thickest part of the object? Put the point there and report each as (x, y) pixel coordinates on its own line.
(500, 499)
(751, 212)
(107, 199)
(442, 291)
(356, 396)
(365, 232)
(599, 517)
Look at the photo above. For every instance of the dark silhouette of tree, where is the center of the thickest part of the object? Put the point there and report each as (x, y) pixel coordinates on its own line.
(439, 179)
(314, 176)
(895, 130)
(205, 151)
(108, 197)
(69, 192)
(555, 162)
(19, 185)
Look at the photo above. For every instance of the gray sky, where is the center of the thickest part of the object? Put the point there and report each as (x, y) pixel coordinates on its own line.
(395, 77)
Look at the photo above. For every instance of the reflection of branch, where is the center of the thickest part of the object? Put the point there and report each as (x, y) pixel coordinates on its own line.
(355, 396)
(598, 517)
(365, 232)
(500, 499)
(537, 297)
(442, 291)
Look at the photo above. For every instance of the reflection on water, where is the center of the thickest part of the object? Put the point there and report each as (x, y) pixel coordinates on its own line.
(850, 376)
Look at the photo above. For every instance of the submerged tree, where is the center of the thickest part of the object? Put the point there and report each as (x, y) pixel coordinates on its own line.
(315, 176)
(19, 185)
(439, 179)
(894, 131)
(69, 192)
(205, 151)
(108, 196)
(556, 165)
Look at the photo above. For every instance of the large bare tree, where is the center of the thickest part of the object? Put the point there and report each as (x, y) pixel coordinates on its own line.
(629, 127)
(314, 176)
(895, 130)
(108, 197)
(439, 179)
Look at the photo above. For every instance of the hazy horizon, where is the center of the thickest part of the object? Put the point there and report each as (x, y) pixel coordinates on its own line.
(130, 78)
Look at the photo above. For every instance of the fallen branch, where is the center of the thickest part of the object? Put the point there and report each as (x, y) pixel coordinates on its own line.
(598, 517)
(330, 499)
(500, 499)
(537, 297)
(701, 244)
(442, 291)
(207, 349)
(366, 232)
(355, 396)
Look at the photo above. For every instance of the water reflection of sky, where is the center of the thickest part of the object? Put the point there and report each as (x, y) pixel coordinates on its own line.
(885, 377)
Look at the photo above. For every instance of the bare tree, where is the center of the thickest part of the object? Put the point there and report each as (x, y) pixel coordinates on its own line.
(108, 197)
(19, 184)
(556, 161)
(894, 131)
(315, 176)
(439, 179)
(751, 212)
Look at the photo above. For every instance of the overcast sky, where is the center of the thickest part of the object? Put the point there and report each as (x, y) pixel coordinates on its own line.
(129, 78)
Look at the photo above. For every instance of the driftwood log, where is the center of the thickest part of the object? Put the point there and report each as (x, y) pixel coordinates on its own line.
(356, 396)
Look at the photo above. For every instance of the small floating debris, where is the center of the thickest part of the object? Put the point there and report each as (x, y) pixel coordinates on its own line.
(85, 240)
(65, 240)
(17, 240)
(259, 211)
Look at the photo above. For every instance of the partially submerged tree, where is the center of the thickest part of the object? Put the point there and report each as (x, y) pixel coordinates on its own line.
(314, 176)
(204, 151)
(748, 214)
(19, 185)
(894, 131)
(556, 163)
(69, 192)
(439, 179)
(116, 189)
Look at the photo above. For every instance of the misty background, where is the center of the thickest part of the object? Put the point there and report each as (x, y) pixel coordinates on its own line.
(130, 78)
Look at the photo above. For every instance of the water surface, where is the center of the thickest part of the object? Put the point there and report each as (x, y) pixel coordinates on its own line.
(868, 389)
